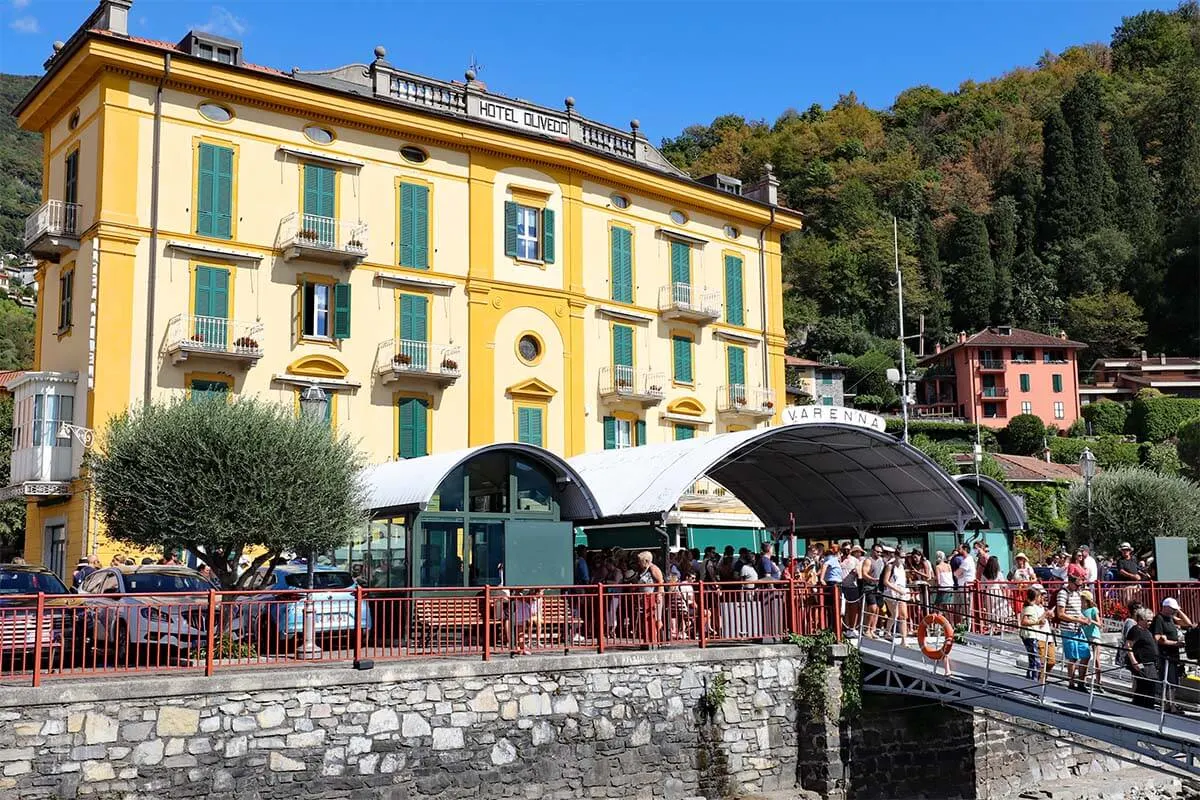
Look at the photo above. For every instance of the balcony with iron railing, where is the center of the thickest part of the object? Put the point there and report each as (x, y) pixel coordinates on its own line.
(193, 336)
(52, 230)
(936, 411)
(621, 382)
(326, 239)
(991, 365)
(750, 401)
(409, 359)
(993, 392)
(689, 303)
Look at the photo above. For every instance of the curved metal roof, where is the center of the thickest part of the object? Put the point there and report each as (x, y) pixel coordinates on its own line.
(1011, 509)
(412, 482)
(829, 475)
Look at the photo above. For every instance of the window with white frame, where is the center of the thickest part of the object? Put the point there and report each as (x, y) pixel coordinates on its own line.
(1060, 411)
(318, 309)
(1026, 407)
(624, 433)
(528, 224)
(50, 411)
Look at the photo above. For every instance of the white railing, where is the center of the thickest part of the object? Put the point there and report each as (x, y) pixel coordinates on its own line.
(325, 233)
(410, 355)
(707, 488)
(745, 399)
(684, 297)
(54, 218)
(423, 92)
(609, 140)
(215, 335)
(626, 381)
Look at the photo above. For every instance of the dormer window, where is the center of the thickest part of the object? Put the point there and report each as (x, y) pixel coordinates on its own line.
(1005, 330)
(212, 48)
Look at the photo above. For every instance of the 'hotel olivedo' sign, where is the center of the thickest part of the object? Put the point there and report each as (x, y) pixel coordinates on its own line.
(808, 415)
(525, 118)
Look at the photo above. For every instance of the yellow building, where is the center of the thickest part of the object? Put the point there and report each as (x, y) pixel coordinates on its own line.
(448, 265)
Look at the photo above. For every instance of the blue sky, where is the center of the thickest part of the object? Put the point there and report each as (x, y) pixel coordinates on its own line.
(668, 63)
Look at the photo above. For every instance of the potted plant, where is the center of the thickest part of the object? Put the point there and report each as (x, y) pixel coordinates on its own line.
(741, 400)
(307, 233)
(402, 359)
(355, 244)
(198, 337)
(769, 404)
(449, 365)
(623, 383)
(656, 389)
(246, 343)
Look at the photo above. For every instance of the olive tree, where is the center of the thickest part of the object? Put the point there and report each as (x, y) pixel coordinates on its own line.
(219, 478)
(1134, 505)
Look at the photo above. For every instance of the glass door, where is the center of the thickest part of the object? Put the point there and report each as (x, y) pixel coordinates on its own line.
(486, 553)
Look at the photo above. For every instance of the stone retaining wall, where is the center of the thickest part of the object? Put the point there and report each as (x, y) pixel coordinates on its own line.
(614, 726)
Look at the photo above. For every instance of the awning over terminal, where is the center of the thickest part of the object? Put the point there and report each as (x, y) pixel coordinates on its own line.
(828, 476)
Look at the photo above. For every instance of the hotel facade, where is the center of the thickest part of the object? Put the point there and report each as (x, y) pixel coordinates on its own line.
(450, 267)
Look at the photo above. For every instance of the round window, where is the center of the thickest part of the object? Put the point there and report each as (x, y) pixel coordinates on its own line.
(318, 134)
(619, 200)
(215, 113)
(529, 348)
(678, 217)
(414, 154)
(732, 232)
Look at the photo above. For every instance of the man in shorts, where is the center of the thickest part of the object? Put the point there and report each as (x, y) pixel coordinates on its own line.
(1068, 613)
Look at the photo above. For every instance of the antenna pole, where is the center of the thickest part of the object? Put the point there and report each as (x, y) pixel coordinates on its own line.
(900, 302)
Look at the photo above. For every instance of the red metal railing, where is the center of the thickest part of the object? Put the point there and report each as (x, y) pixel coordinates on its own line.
(85, 635)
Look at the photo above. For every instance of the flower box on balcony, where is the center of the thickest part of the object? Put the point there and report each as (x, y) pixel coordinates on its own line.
(449, 365)
(198, 338)
(402, 359)
(308, 234)
(623, 383)
(246, 343)
(355, 244)
(656, 389)
(769, 404)
(741, 401)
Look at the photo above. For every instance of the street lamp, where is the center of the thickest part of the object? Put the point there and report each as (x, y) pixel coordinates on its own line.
(1087, 465)
(313, 401)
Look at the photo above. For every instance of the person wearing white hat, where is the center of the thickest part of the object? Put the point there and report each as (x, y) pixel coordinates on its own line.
(1167, 629)
(1023, 573)
(1127, 566)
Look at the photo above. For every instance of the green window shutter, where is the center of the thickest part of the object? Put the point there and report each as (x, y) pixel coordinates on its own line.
(682, 351)
(414, 427)
(681, 263)
(622, 346)
(341, 311)
(736, 366)
(414, 226)
(319, 192)
(548, 235)
(529, 425)
(206, 190)
(734, 304)
(329, 401)
(1024, 382)
(414, 327)
(208, 390)
(621, 245)
(1057, 379)
(510, 229)
(640, 432)
(684, 432)
(610, 433)
(223, 193)
(212, 292)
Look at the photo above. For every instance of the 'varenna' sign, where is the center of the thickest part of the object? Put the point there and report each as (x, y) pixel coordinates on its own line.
(807, 415)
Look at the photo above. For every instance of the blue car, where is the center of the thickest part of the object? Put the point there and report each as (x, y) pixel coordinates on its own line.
(276, 610)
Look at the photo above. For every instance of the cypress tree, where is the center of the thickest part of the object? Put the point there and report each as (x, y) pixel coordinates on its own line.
(973, 287)
(1058, 215)
(1035, 291)
(1003, 224)
(1180, 206)
(937, 312)
(1096, 190)
(1135, 191)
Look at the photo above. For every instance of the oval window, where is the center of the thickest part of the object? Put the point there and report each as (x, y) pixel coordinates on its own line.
(414, 154)
(619, 201)
(215, 113)
(319, 135)
(678, 217)
(73, 122)
(529, 348)
(732, 232)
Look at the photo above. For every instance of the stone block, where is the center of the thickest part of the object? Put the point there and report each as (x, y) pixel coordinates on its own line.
(281, 763)
(447, 738)
(99, 728)
(565, 704)
(543, 733)
(358, 745)
(271, 717)
(604, 729)
(463, 719)
(414, 725)
(503, 753)
(96, 771)
(320, 711)
(674, 707)
(641, 734)
(509, 710)
(179, 762)
(178, 721)
(200, 747)
(535, 705)
(243, 724)
(174, 747)
(237, 746)
(16, 754)
(484, 702)
(655, 689)
(310, 739)
(14, 768)
(383, 720)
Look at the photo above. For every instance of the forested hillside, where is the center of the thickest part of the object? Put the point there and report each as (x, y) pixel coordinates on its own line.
(20, 165)
(1063, 195)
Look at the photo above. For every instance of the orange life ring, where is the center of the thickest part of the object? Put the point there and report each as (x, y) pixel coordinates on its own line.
(947, 630)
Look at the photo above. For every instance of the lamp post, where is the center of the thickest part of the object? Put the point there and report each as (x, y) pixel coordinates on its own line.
(313, 401)
(1087, 465)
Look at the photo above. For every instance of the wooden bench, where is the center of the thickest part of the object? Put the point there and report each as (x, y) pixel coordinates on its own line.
(446, 621)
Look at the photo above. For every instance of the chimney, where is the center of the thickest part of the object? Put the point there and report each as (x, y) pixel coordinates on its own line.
(1062, 335)
(1162, 359)
(765, 189)
(962, 337)
(1145, 357)
(112, 15)
(937, 348)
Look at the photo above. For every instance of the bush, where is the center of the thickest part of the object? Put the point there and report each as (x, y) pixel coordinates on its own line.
(1078, 429)
(953, 433)
(1105, 416)
(1161, 458)
(1024, 436)
(1110, 451)
(939, 453)
(1188, 444)
(867, 375)
(1134, 505)
(1156, 419)
(870, 402)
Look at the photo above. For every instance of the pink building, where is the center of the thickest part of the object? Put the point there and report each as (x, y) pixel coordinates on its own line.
(1000, 372)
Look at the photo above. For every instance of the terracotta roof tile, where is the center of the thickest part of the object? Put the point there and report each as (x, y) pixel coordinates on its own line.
(175, 48)
(7, 376)
(991, 337)
(794, 361)
(1029, 468)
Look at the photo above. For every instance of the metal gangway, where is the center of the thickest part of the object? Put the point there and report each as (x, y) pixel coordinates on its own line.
(990, 672)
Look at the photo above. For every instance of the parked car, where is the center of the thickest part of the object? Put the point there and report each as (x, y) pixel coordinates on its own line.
(276, 611)
(19, 628)
(132, 611)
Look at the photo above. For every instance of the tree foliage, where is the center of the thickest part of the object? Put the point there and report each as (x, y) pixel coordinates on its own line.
(21, 155)
(1134, 505)
(867, 375)
(1111, 323)
(1025, 435)
(219, 478)
(1188, 444)
(1106, 417)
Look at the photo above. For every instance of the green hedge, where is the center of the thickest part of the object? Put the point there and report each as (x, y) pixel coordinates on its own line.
(1156, 419)
(1110, 451)
(1106, 417)
(944, 431)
